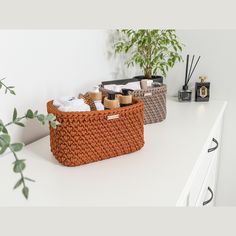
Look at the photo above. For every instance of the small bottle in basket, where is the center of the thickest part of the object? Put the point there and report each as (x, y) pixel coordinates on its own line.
(96, 96)
(126, 98)
(111, 101)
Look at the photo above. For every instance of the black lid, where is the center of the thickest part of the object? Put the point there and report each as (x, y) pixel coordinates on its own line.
(111, 96)
(185, 87)
(126, 91)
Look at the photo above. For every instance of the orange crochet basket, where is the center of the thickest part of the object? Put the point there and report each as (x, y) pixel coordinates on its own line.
(85, 137)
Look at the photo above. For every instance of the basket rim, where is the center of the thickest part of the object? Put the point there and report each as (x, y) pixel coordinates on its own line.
(54, 109)
(162, 88)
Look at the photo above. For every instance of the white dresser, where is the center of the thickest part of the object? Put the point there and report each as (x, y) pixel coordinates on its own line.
(177, 167)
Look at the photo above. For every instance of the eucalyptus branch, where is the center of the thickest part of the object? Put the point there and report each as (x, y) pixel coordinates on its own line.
(5, 139)
(16, 120)
(19, 166)
(7, 88)
(5, 143)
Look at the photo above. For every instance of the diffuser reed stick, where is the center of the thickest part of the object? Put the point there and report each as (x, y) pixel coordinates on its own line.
(186, 72)
(191, 66)
(191, 72)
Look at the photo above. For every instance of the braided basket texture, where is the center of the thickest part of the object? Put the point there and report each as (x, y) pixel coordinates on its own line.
(154, 103)
(85, 137)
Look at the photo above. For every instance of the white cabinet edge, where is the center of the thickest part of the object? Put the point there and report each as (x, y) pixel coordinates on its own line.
(184, 194)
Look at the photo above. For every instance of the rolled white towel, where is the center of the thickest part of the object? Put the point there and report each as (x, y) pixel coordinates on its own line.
(133, 85)
(74, 104)
(114, 87)
(64, 109)
(63, 101)
(79, 105)
(118, 87)
(70, 109)
(56, 103)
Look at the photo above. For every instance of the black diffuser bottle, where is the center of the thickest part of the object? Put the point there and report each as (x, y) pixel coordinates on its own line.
(185, 94)
(202, 90)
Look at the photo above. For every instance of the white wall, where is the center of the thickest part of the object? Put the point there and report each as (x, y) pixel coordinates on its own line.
(47, 64)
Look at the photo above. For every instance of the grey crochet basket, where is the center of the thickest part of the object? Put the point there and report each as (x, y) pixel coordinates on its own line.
(154, 103)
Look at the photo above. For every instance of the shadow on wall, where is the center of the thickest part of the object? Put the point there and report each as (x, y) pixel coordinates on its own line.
(117, 61)
(33, 126)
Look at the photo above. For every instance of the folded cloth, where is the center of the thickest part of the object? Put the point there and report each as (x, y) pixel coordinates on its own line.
(67, 104)
(63, 101)
(119, 87)
(84, 107)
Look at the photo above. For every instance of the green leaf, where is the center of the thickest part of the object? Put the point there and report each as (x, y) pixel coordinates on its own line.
(25, 192)
(19, 166)
(41, 118)
(19, 123)
(53, 124)
(30, 114)
(18, 183)
(14, 115)
(3, 148)
(31, 180)
(51, 117)
(6, 138)
(12, 92)
(16, 147)
(4, 130)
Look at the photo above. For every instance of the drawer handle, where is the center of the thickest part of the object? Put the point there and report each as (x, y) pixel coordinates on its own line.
(211, 198)
(214, 148)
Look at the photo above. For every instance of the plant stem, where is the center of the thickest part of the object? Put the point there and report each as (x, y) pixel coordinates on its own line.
(16, 158)
(12, 122)
(21, 173)
(4, 85)
(148, 73)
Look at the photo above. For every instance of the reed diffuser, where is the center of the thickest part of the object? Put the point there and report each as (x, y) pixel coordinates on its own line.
(185, 94)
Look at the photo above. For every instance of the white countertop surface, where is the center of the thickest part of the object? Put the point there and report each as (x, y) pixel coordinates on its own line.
(157, 175)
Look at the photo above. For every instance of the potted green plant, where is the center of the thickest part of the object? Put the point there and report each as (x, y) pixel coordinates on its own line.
(154, 51)
(5, 138)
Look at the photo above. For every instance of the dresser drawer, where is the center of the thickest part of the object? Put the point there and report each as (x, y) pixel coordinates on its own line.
(198, 191)
(207, 194)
